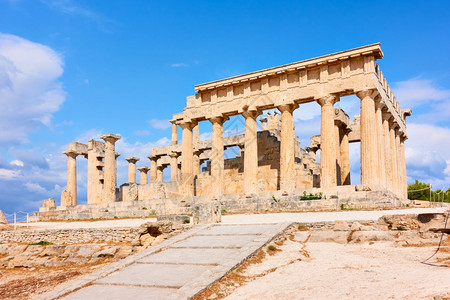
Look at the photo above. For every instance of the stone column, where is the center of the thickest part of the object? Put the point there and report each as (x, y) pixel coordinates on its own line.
(404, 191)
(217, 158)
(382, 178)
(173, 166)
(110, 173)
(369, 139)
(174, 134)
(71, 199)
(196, 161)
(387, 150)
(393, 150)
(337, 148)
(327, 142)
(160, 173)
(345, 156)
(153, 168)
(250, 153)
(132, 169)
(187, 177)
(144, 176)
(399, 163)
(287, 148)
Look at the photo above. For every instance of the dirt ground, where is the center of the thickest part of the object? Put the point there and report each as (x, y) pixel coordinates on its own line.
(25, 283)
(306, 270)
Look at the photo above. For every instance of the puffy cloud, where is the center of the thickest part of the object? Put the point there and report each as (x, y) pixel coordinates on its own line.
(415, 92)
(29, 91)
(426, 153)
(160, 124)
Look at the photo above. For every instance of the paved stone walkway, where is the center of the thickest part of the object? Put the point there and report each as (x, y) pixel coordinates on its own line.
(178, 268)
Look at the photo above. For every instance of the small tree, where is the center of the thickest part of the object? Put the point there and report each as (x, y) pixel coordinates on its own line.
(419, 191)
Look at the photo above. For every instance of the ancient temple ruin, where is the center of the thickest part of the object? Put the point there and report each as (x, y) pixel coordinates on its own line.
(270, 164)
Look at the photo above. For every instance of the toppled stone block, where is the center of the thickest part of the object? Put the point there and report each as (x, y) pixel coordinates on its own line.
(155, 228)
(339, 237)
(146, 240)
(108, 251)
(341, 226)
(399, 222)
(371, 236)
(207, 212)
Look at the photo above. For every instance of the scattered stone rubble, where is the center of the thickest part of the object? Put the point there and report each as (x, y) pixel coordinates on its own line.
(62, 251)
(404, 230)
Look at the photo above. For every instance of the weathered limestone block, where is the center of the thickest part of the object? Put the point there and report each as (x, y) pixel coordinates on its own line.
(207, 212)
(399, 222)
(371, 236)
(66, 198)
(341, 226)
(328, 237)
(50, 202)
(3, 218)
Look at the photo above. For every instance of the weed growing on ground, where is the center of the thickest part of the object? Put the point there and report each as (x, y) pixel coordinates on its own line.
(41, 243)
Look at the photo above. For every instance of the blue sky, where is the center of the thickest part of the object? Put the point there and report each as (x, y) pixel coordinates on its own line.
(71, 70)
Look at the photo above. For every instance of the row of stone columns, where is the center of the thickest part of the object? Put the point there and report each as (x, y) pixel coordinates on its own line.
(382, 147)
(109, 171)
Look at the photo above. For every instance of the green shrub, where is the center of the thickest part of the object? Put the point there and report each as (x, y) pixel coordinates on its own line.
(311, 196)
(41, 243)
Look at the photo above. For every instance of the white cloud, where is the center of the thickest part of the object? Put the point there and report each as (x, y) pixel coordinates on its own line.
(29, 91)
(34, 187)
(17, 163)
(426, 153)
(415, 92)
(179, 65)
(141, 132)
(160, 124)
(6, 174)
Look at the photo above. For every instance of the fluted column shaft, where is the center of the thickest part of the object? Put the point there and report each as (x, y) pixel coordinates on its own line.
(160, 174)
(173, 167)
(287, 150)
(217, 158)
(399, 164)
(153, 168)
(338, 154)
(71, 177)
(345, 157)
(132, 169)
(394, 165)
(251, 153)
(110, 172)
(382, 178)
(187, 177)
(369, 139)
(174, 134)
(404, 191)
(144, 175)
(327, 142)
(387, 151)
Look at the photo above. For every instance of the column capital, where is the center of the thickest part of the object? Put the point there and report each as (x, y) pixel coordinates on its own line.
(372, 93)
(290, 107)
(218, 119)
(188, 125)
(251, 113)
(153, 158)
(70, 153)
(386, 115)
(132, 160)
(379, 104)
(143, 169)
(117, 155)
(174, 154)
(327, 100)
(110, 137)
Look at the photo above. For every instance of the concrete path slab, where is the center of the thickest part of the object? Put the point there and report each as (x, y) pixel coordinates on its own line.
(196, 256)
(178, 268)
(111, 292)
